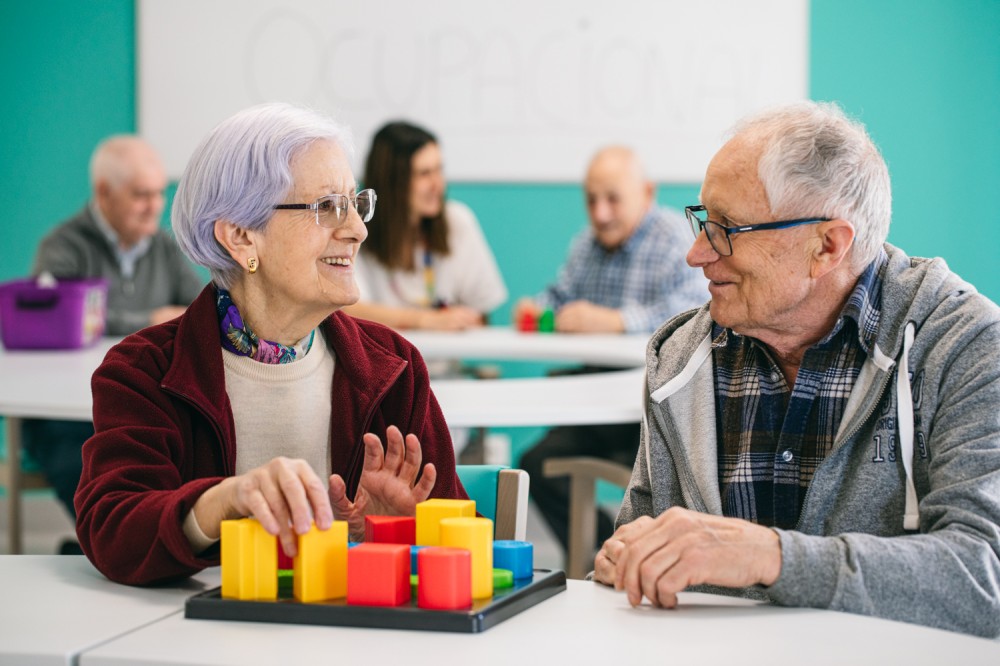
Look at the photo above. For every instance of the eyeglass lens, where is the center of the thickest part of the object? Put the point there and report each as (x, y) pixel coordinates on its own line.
(717, 236)
(331, 210)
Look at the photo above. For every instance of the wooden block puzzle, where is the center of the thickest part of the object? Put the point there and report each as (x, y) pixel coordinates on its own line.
(456, 575)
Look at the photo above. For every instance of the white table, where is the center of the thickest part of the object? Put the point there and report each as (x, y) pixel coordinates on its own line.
(586, 624)
(506, 344)
(54, 607)
(41, 384)
(56, 385)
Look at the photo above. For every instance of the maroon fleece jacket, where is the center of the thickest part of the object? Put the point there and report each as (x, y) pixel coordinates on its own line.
(164, 433)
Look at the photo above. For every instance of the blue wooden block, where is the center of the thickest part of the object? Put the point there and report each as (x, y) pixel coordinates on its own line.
(518, 556)
(413, 558)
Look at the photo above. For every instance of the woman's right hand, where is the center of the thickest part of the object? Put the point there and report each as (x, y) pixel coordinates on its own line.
(284, 495)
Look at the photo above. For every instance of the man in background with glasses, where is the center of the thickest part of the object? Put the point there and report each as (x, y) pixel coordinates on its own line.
(625, 274)
(825, 432)
(116, 236)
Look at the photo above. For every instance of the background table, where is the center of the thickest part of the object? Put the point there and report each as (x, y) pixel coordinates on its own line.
(53, 607)
(506, 344)
(41, 384)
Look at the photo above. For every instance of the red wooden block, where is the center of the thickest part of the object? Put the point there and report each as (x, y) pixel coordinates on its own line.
(528, 323)
(445, 578)
(378, 574)
(391, 529)
(284, 562)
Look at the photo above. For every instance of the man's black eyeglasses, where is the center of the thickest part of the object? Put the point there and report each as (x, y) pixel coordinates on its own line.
(719, 236)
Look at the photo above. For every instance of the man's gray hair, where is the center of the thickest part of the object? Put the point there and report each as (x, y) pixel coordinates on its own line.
(116, 159)
(817, 162)
(239, 172)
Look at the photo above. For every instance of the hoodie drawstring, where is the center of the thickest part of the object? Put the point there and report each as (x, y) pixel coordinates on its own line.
(904, 413)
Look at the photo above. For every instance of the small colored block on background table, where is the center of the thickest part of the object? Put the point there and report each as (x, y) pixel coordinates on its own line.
(378, 574)
(518, 556)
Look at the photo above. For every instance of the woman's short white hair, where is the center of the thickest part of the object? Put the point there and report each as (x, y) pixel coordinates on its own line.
(239, 172)
(817, 162)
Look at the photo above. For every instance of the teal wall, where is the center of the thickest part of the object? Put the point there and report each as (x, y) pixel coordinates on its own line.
(924, 75)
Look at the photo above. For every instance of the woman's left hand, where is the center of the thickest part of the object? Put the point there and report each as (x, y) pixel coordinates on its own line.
(388, 485)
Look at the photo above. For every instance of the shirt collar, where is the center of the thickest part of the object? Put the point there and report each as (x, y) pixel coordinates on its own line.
(864, 305)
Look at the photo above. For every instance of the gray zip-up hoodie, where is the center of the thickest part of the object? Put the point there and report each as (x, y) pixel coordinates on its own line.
(901, 519)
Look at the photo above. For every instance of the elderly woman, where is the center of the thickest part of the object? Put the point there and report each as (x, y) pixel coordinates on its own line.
(262, 389)
(426, 263)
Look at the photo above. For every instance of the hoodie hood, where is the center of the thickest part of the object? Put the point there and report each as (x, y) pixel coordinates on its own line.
(913, 288)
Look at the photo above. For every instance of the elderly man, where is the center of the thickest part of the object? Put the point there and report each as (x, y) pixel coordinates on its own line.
(825, 431)
(116, 236)
(625, 273)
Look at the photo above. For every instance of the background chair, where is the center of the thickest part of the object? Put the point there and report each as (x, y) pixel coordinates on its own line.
(584, 473)
(501, 494)
(14, 479)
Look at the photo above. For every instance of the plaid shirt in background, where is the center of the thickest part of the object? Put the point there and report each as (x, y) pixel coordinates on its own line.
(647, 278)
(772, 439)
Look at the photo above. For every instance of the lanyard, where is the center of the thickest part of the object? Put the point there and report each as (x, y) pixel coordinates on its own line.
(430, 291)
(430, 299)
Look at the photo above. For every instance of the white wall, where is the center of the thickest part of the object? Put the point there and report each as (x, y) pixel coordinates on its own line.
(517, 90)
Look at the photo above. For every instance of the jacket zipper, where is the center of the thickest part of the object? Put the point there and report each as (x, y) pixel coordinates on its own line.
(228, 468)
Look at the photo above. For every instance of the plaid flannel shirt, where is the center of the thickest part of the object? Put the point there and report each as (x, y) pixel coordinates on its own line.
(647, 279)
(772, 437)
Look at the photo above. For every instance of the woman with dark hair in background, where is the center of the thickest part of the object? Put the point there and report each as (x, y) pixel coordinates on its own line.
(426, 263)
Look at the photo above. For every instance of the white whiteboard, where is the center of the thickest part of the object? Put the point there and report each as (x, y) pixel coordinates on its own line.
(516, 90)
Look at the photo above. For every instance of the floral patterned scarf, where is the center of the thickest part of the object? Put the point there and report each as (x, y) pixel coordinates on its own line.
(239, 339)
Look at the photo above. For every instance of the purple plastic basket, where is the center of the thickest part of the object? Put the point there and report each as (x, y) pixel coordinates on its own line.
(67, 316)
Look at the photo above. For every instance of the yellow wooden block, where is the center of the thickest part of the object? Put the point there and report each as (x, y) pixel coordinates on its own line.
(320, 566)
(476, 536)
(431, 512)
(249, 560)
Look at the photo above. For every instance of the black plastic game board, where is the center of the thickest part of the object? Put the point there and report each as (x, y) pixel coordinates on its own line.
(479, 617)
